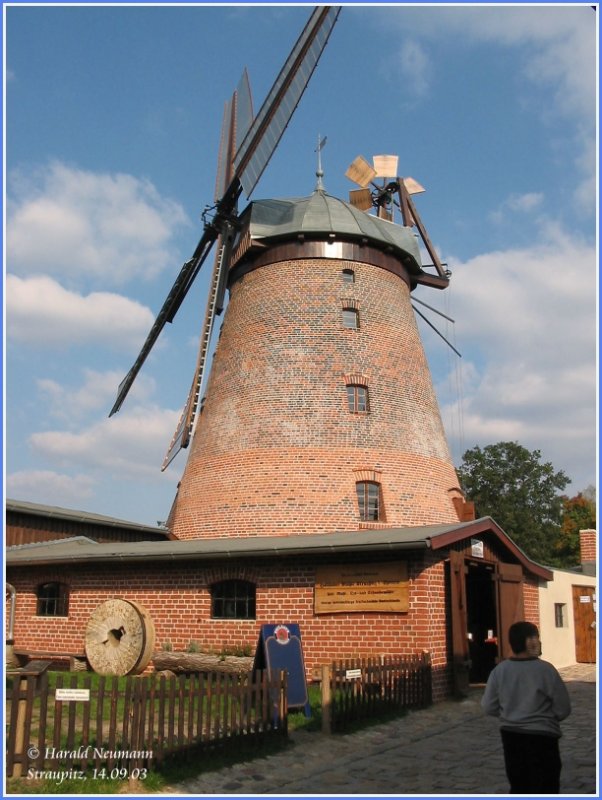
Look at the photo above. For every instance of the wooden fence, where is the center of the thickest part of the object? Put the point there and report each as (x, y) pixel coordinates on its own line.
(111, 727)
(356, 689)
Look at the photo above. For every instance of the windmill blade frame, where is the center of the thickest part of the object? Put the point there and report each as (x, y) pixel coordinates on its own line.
(283, 98)
(174, 299)
(181, 437)
(250, 161)
(233, 121)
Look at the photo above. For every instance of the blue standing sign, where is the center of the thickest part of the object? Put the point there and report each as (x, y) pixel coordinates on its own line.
(279, 648)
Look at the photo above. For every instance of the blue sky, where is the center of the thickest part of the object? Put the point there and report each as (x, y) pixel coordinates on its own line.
(112, 132)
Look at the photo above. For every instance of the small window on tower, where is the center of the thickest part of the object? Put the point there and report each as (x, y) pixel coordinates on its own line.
(348, 276)
(369, 501)
(351, 318)
(357, 398)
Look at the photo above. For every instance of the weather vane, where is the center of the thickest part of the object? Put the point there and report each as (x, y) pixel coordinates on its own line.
(319, 172)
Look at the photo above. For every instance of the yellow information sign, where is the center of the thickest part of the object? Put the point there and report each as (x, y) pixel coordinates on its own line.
(381, 587)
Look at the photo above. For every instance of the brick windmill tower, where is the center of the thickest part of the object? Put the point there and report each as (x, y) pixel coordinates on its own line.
(319, 413)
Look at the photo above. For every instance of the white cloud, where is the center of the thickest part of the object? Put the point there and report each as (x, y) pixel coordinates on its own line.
(97, 392)
(557, 43)
(69, 222)
(414, 67)
(51, 488)
(526, 319)
(41, 312)
(553, 47)
(519, 204)
(586, 165)
(131, 444)
(524, 202)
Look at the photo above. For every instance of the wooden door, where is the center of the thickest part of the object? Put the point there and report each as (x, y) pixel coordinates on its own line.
(460, 661)
(584, 613)
(511, 604)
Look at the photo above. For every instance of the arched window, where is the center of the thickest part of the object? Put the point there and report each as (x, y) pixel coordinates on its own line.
(233, 599)
(348, 276)
(351, 318)
(369, 501)
(52, 600)
(357, 398)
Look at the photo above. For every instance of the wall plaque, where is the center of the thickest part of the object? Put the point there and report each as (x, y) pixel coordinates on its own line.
(345, 588)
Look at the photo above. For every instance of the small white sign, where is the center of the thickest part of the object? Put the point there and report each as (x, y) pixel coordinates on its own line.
(585, 598)
(72, 694)
(476, 548)
(353, 673)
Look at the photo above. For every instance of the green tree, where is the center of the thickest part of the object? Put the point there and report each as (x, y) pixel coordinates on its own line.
(511, 484)
(578, 514)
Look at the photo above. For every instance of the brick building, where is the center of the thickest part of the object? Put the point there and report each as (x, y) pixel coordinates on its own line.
(456, 582)
(319, 487)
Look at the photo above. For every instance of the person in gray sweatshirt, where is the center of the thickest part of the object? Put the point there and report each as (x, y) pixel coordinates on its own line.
(530, 699)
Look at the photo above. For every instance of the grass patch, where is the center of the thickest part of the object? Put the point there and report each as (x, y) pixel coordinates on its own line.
(296, 716)
(298, 721)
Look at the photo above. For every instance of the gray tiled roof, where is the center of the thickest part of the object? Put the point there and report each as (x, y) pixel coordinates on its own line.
(56, 512)
(344, 541)
(357, 541)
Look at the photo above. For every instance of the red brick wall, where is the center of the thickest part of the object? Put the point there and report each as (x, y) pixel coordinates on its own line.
(276, 447)
(587, 541)
(177, 598)
(531, 597)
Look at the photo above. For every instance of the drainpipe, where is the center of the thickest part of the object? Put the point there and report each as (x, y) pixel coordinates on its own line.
(10, 639)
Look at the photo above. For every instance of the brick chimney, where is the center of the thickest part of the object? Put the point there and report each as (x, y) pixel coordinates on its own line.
(587, 542)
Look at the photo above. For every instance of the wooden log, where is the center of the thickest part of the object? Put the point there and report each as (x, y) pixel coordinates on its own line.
(201, 662)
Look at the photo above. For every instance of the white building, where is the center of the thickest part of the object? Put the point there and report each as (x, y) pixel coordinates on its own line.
(567, 608)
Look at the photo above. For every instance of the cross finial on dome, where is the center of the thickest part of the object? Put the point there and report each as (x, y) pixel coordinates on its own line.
(319, 171)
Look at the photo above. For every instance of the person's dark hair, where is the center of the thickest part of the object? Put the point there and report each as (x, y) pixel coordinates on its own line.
(519, 633)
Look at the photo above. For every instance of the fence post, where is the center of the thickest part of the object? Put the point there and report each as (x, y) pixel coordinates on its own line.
(25, 695)
(20, 727)
(326, 699)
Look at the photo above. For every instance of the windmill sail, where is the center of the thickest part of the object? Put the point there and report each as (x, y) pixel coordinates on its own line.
(238, 117)
(183, 432)
(251, 159)
(174, 299)
(238, 114)
(275, 114)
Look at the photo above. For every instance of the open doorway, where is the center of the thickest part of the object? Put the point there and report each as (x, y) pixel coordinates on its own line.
(486, 598)
(481, 620)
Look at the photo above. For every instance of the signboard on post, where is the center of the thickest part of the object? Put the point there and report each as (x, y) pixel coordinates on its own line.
(279, 648)
(72, 695)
